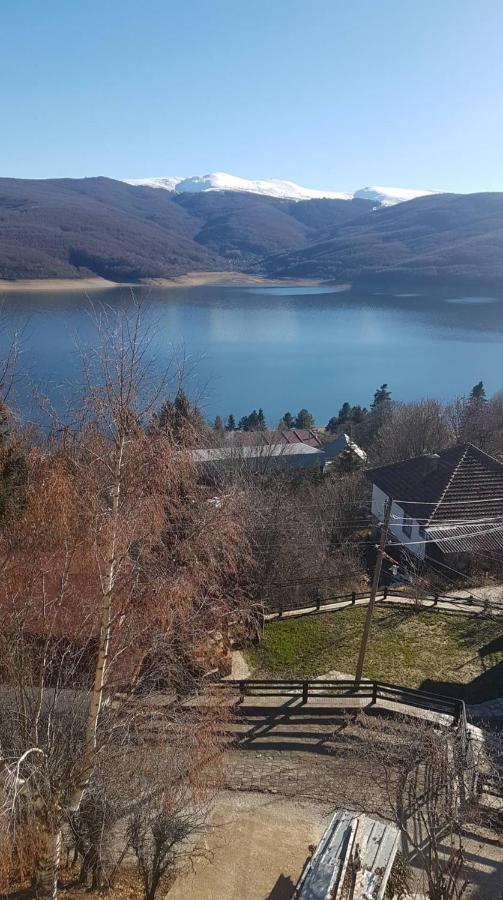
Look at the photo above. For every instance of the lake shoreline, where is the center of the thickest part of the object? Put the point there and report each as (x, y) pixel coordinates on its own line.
(190, 279)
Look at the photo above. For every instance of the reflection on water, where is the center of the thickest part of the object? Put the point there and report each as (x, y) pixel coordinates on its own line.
(281, 347)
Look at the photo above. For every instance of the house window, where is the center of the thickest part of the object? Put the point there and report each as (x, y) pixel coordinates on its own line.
(407, 528)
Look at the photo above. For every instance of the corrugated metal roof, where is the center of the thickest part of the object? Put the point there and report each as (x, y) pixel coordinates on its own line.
(466, 538)
(352, 861)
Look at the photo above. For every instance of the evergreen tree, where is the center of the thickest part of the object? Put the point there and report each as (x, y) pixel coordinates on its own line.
(478, 393)
(179, 417)
(218, 425)
(287, 420)
(348, 460)
(253, 422)
(358, 414)
(231, 423)
(304, 419)
(344, 413)
(333, 424)
(381, 396)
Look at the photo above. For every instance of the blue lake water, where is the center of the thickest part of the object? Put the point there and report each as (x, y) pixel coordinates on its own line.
(281, 348)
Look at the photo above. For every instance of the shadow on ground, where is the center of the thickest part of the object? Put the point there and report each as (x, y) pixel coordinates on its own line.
(486, 686)
(283, 889)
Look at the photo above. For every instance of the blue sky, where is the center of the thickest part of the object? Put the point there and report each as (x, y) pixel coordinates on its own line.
(329, 93)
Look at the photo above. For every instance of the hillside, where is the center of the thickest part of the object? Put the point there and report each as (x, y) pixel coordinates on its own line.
(242, 227)
(441, 236)
(64, 228)
(76, 227)
(70, 228)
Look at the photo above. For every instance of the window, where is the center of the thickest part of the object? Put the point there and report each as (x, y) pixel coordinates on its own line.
(407, 527)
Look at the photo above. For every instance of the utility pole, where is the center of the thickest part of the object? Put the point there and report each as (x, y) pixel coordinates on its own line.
(373, 590)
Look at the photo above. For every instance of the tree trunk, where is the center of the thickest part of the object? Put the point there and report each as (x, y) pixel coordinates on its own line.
(86, 767)
(46, 873)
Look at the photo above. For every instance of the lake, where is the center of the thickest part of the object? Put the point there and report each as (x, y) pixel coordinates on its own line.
(280, 348)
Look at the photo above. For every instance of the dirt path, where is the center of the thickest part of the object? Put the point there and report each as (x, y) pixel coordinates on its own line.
(258, 848)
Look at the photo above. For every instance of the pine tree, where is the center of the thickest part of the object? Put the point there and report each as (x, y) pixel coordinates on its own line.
(231, 423)
(304, 419)
(381, 396)
(287, 420)
(261, 419)
(344, 413)
(178, 417)
(218, 425)
(348, 460)
(478, 393)
(358, 414)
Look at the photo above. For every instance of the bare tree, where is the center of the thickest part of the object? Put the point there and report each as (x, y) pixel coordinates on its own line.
(429, 781)
(301, 531)
(412, 429)
(110, 556)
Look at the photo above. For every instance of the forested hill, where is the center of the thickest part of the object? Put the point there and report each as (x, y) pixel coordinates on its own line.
(442, 236)
(64, 228)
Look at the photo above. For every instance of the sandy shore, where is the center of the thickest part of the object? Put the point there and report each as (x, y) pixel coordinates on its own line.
(194, 279)
(191, 279)
(55, 284)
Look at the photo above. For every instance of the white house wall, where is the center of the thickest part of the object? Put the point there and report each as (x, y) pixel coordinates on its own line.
(396, 523)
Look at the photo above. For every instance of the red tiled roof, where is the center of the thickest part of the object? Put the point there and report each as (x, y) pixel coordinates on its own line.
(281, 436)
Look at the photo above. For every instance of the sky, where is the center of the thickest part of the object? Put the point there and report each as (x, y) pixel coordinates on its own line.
(332, 94)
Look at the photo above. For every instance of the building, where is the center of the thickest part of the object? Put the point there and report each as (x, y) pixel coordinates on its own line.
(262, 456)
(263, 451)
(445, 505)
(280, 436)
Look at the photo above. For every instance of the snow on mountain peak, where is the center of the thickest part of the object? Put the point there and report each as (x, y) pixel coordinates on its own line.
(221, 181)
(165, 184)
(274, 187)
(389, 196)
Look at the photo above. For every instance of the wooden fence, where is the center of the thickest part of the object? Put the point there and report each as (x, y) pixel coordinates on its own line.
(317, 604)
(344, 691)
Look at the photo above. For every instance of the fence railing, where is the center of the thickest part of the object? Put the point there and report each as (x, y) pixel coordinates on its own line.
(282, 606)
(344, 691)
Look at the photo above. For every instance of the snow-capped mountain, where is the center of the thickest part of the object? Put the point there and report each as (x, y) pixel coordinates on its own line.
(166, 184)
(389, 196)
(274, 187)
(221, 181)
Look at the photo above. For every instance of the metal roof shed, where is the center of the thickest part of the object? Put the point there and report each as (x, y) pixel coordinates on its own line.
(352, 861)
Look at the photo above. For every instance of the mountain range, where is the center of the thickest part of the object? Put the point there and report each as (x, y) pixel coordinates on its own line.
(74, 228)
(282, 190)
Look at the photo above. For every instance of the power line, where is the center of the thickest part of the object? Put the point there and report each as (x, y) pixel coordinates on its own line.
(481, 520)
(448, 502)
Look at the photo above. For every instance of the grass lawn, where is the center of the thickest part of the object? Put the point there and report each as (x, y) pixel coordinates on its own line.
(405, 647)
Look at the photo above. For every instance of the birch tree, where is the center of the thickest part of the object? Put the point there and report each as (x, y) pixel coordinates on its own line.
(115, 574)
